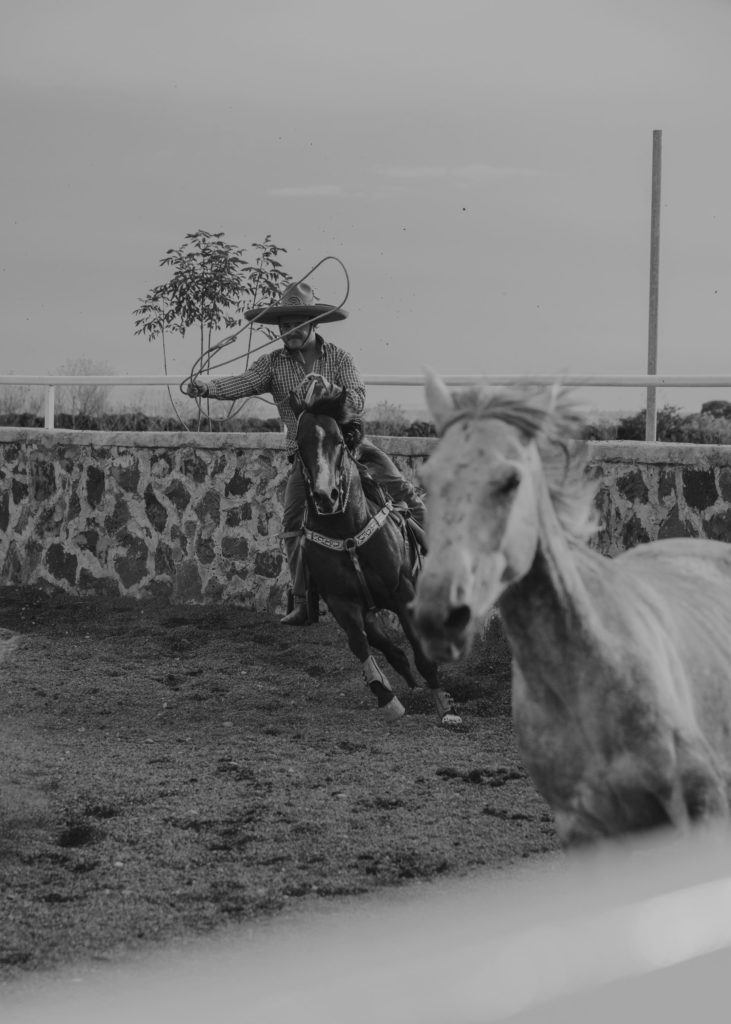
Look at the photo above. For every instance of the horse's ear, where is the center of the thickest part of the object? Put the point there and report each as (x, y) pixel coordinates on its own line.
(295, 403)
(438, 398)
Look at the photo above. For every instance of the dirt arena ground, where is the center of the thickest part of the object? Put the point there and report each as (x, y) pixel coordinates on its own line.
(168, 772)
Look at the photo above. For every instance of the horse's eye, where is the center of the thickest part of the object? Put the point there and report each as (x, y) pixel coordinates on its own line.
(509, 482)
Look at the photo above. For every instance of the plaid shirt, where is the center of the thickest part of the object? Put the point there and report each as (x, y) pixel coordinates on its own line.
(280, 372)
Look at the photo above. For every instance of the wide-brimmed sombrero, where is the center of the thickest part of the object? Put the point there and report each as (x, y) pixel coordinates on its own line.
(297, 300)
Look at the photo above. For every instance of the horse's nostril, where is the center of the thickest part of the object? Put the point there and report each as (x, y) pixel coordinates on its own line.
(334, 495)
(458, 619)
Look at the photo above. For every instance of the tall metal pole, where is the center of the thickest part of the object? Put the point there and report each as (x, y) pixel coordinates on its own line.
(651, 414)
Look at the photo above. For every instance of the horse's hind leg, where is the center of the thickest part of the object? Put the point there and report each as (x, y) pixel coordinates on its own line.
(350, 618)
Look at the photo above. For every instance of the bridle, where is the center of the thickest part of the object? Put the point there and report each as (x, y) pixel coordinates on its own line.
(345, 467)
(343, 475)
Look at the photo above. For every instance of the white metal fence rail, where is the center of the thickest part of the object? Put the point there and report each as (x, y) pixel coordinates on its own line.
(649, 381)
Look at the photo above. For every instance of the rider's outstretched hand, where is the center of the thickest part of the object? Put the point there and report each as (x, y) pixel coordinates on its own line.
(196, 389)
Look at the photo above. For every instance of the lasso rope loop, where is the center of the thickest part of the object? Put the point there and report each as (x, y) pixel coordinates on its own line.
(204, 364)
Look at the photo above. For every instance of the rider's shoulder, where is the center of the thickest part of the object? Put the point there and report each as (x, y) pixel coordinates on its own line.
(279, 357)
(336, 354)
(331, 348)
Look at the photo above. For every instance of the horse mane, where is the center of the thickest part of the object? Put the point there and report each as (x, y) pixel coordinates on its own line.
(554, 420)
(340, 410)
(327, 406)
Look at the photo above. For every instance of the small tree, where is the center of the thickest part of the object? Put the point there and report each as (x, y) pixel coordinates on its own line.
(211, 285)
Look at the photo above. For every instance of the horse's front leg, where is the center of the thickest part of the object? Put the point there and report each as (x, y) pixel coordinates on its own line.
(395, 656)
(443, 702)
(350, 618)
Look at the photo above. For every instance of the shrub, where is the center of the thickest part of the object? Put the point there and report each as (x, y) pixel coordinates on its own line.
(387, 419)
(695, 428)
(701, 428)
(20, 419)
(600, 431)
(420, 428)
(717, 407)
(670, 423)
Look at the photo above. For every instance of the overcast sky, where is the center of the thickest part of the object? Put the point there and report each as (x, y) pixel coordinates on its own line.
(483, 170)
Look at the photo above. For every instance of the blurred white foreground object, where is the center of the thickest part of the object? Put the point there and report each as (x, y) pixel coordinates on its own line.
(635, 932)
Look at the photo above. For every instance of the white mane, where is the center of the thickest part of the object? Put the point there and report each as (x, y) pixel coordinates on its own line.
(554, 420)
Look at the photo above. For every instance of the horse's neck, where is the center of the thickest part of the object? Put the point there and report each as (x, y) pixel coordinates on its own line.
(549, 614)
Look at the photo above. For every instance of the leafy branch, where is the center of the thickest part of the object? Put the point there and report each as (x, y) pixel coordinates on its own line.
(212, 283)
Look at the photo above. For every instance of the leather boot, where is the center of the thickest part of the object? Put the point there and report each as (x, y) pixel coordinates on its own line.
(298, 615)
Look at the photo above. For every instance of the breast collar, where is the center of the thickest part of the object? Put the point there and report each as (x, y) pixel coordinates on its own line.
(372, 527)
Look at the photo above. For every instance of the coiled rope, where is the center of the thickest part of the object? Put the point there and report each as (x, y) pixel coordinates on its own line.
(204, 363)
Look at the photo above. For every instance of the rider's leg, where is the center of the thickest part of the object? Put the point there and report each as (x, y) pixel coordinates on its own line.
(386, 473)
(292, 516)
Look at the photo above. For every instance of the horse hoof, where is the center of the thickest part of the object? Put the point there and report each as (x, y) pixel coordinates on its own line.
(444, 707)
(392, 711)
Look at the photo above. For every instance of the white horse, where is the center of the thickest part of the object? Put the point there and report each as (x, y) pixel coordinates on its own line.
(622, 667)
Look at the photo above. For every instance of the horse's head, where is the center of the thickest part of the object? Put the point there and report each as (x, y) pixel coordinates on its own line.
(482, 521)
(324, 457)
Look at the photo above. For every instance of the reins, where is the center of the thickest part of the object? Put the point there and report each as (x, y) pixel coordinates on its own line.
(343, 489)
(375, 522)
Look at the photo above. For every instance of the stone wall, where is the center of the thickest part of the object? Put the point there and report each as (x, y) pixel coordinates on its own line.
(196, 517)
(652, 491)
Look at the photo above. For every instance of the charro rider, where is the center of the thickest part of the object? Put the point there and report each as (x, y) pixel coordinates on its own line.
(313, 368)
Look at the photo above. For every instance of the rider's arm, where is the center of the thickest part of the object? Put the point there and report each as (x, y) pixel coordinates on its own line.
(256, 381)
(350, 379)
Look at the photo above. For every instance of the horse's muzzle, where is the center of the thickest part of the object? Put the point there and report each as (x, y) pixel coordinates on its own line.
(445, 633)
(327, 504)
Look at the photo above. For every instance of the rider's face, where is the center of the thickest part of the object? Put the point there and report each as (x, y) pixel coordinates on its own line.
(296, 333)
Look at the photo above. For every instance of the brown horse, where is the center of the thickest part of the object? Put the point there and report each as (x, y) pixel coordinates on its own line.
(360, 557)
(622, 666)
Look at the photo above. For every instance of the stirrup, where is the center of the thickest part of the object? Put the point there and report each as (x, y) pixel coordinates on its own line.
(297, 617)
